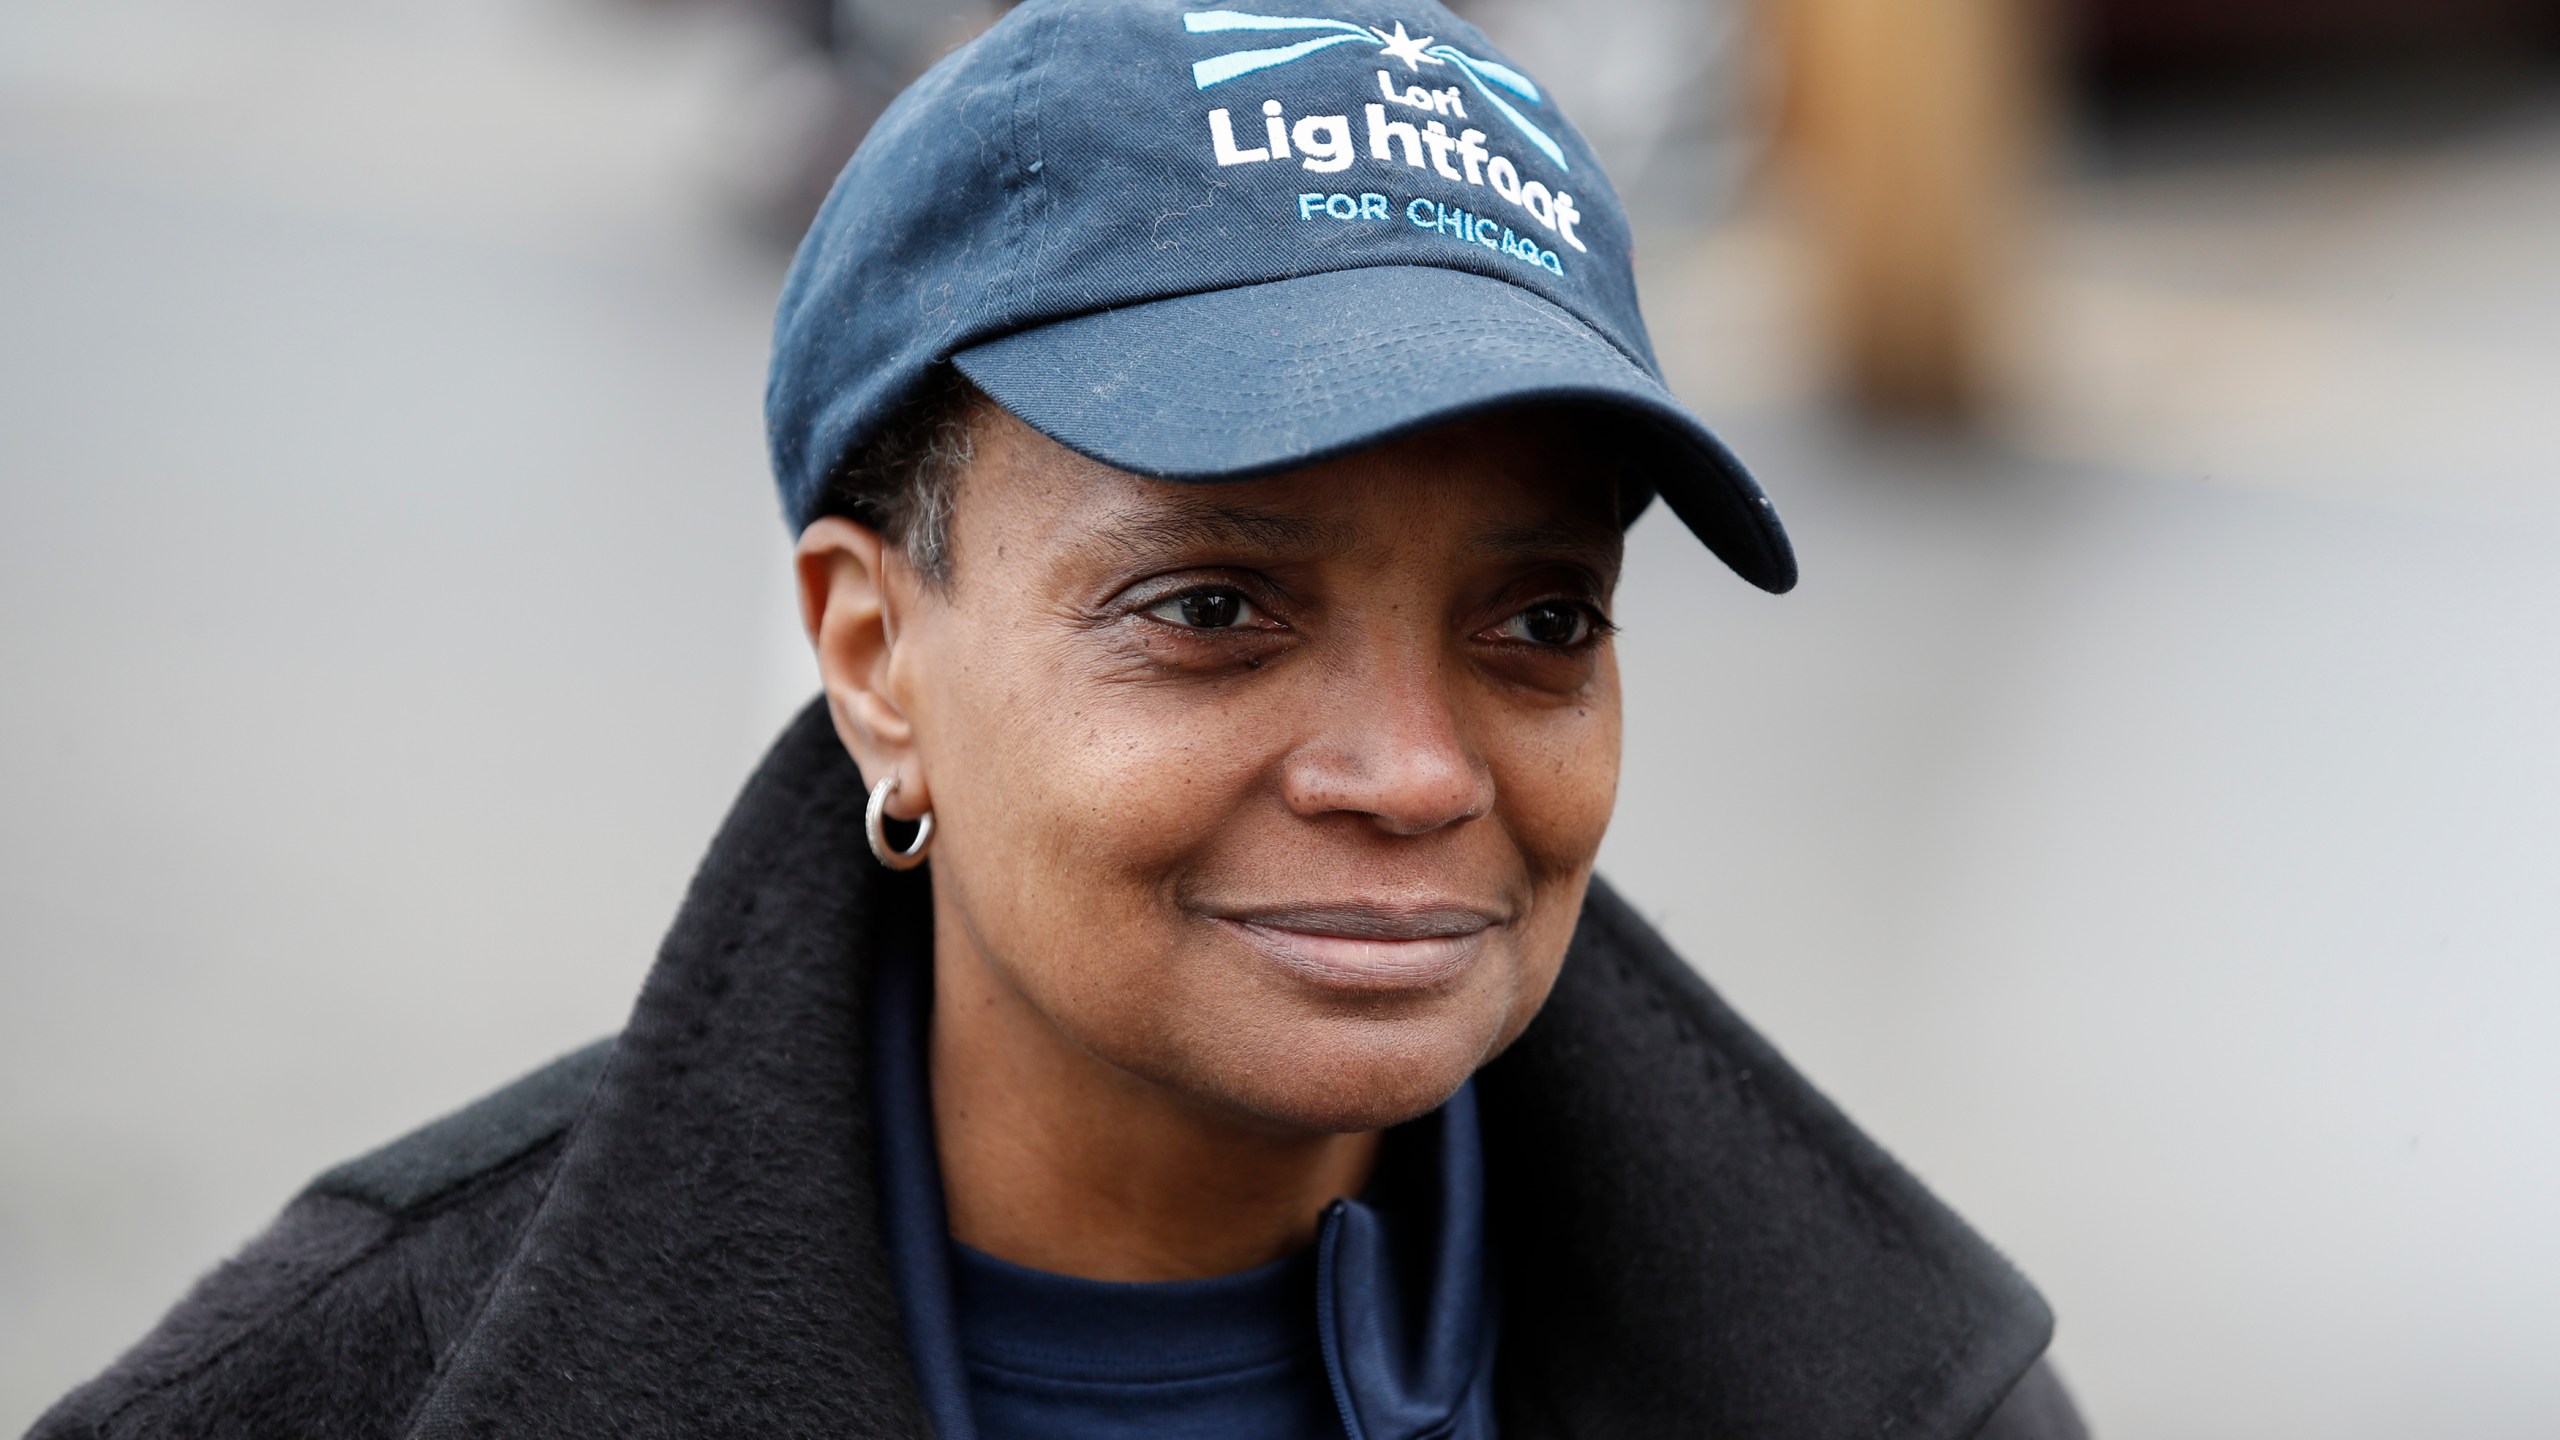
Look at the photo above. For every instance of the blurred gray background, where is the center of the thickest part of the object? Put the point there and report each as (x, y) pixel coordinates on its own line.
(2145, 818)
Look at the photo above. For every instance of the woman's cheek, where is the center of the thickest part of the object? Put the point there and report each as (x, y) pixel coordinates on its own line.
(1113, 792)
(1559, 781)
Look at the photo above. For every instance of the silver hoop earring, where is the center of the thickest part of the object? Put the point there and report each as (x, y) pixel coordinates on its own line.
(873, 817)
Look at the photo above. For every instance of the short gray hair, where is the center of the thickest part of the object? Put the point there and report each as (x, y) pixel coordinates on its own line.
(904, 481)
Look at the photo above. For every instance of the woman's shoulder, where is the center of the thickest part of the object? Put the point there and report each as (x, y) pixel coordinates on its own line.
(334, 1318)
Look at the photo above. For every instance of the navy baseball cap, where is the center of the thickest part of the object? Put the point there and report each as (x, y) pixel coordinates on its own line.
(1212, 241)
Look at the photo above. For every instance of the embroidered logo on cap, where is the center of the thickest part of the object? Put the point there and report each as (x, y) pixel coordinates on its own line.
(1323, 143)
(1484, 74)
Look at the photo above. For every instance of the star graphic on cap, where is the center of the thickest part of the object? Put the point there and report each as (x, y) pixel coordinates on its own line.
(1405, 48)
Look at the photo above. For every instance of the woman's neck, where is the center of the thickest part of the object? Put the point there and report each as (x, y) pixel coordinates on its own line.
(1055, 1159)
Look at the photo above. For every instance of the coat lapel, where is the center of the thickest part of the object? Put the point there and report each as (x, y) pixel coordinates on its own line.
(708, 1261)
(1695, 1242)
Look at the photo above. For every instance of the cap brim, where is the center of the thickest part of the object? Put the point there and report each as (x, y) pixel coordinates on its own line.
(1233, 384)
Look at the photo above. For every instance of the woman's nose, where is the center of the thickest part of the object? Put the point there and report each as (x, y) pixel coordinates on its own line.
(1393, 749)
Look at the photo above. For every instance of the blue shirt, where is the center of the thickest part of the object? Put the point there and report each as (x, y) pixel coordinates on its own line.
(1383, 1330)
(1234, 1358)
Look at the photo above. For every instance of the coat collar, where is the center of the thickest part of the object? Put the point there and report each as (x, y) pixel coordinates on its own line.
(1689, 1238)
(1697, 1242)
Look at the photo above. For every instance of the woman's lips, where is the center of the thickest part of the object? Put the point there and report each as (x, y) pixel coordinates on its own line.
(1367, 947)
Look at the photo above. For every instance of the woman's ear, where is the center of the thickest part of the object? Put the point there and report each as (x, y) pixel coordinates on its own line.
(855, 587)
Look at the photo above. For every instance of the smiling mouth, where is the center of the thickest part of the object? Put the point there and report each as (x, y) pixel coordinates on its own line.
(1367, 947)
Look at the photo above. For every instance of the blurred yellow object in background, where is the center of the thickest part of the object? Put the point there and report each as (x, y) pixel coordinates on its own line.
(1906, 130)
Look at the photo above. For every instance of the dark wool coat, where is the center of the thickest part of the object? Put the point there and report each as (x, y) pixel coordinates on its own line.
(675, 1232)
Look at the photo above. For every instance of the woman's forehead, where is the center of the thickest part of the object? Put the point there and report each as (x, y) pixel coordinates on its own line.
(1496, 484)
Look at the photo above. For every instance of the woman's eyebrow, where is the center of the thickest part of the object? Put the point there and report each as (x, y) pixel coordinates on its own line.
(1199, 524)
(1576, 538)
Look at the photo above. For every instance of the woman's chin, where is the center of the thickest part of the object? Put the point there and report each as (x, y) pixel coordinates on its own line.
(1339, 1038)
(1332, 1086)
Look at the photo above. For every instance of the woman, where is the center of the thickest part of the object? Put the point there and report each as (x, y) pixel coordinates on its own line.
(1162, 990)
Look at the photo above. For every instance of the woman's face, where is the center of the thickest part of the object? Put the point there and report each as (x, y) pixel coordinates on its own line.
(1281, 794)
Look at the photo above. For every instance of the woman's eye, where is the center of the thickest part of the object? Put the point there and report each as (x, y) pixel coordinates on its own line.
(1555, 623)
(1205, 610)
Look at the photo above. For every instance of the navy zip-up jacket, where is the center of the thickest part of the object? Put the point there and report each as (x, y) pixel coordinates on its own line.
(678, 1232)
